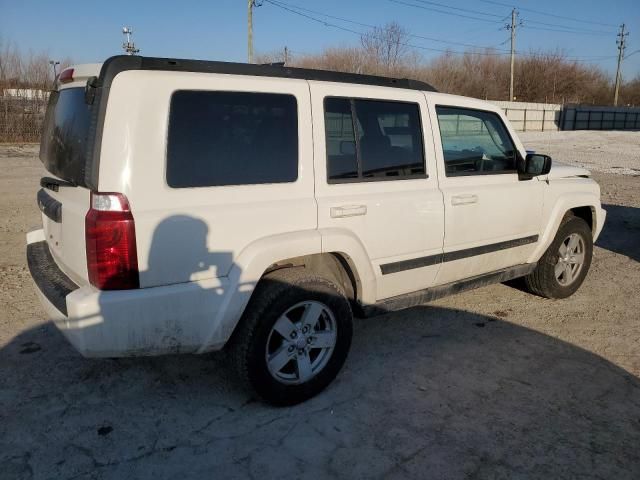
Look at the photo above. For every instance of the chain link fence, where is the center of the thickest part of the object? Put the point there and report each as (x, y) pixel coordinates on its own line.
(21, 114)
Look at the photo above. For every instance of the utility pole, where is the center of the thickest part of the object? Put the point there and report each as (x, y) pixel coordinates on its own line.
(621, 45)
(250, 5)
(54, 64)
(512, 27)
(286, 55)
(129, 46)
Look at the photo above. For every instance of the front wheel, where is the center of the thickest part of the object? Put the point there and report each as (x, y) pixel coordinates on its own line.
(294, 336)
(565, 264)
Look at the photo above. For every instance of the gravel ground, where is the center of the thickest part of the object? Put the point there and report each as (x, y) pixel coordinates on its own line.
(493, 383)
(599, 151)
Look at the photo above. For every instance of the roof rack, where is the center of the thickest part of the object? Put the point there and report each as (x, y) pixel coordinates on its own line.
(114, 65)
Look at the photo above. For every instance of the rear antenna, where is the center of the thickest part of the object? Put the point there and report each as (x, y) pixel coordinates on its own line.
(129, 46)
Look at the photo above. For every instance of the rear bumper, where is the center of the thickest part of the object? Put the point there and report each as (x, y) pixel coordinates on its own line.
(149, 321)
(49, 279)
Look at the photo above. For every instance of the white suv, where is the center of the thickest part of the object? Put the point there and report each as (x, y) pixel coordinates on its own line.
(201, 205)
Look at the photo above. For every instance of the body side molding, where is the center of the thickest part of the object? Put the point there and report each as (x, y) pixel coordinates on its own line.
(420, 262)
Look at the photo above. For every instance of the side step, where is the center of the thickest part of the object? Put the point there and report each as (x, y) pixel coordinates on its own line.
(429, 294)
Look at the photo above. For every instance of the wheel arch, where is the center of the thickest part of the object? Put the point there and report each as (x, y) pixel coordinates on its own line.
(586, 213)
(292, 250)
(580, 204)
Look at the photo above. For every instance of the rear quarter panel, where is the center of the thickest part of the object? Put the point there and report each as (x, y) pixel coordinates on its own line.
(188, 234)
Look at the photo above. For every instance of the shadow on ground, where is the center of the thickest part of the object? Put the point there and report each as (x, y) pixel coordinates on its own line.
(426, 393)
(621, 232)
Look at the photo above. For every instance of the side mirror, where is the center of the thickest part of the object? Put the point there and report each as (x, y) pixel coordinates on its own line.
(534, 164)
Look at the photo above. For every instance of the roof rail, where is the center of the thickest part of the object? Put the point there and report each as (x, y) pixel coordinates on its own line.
(114, 65)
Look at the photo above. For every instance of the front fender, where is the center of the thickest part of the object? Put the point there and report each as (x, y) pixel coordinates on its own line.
(561, 205)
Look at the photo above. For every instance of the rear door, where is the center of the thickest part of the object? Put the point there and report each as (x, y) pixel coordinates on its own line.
(492, 218)
(63, 201)
(375, 180)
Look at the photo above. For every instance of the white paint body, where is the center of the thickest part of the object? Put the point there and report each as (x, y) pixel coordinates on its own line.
(201, 251)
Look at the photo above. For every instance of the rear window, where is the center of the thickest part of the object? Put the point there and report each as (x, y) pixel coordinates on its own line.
(372, 140)
(64, 135)
(231, 138)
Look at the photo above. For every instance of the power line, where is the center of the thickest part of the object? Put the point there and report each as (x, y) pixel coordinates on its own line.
(340, 27)
(502, 19)
(511, 5)
(445, 12)
(462, 9)
(562, 29)
(565, 28)
(353, 22)
(295, 10)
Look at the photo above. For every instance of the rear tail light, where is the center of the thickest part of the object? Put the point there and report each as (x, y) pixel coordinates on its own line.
(66, 76)
(112, 258)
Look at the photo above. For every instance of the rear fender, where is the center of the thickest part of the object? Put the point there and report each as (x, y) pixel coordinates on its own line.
(246, 271)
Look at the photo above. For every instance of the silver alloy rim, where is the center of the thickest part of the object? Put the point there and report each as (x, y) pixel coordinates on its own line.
(570, 259)
(301, 342)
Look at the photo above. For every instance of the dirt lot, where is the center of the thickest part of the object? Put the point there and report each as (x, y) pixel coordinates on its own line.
(493, 383)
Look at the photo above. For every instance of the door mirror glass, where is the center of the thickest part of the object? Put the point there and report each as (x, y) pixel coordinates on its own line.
(536, 164)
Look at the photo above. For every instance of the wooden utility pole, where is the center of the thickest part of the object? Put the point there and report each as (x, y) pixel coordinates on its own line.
(512, 27)
(286, 55)
(250, 6)
(621, 46)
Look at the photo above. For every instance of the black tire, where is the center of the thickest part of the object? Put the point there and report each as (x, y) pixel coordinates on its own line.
(542, 281)
(275, 294)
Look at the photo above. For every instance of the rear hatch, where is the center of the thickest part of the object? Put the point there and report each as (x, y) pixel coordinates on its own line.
(63, 197)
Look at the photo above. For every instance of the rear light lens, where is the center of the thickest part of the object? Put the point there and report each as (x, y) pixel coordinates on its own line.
(112, 257)
(66, 76)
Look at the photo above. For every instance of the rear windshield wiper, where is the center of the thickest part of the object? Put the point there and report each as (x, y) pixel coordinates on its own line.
(55, 184)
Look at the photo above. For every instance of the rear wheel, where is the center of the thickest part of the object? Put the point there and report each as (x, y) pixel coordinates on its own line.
(565, 264)
(294, 336)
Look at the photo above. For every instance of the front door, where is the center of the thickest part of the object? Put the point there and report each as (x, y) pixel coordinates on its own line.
(492, 219)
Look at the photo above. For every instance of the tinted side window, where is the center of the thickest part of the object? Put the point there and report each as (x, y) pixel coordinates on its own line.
(391, 139)
(340, 140)
(231, 138)
(475, 142)
(383, 141)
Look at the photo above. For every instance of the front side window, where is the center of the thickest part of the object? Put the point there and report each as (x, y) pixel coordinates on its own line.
(373, 140)
(231, 138)
(475, 142)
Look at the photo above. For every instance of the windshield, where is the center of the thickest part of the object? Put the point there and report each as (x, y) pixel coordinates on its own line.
(64, 135)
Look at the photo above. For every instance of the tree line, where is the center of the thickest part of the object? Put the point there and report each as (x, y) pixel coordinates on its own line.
(544, 77)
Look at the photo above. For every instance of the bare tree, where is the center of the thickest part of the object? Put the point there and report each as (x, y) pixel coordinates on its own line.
(386, 46)
(25, 82)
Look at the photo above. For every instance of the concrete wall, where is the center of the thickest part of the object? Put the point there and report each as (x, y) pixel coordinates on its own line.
(537, 117)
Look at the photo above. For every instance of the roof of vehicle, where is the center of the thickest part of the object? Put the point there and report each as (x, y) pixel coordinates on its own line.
(114, 65)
